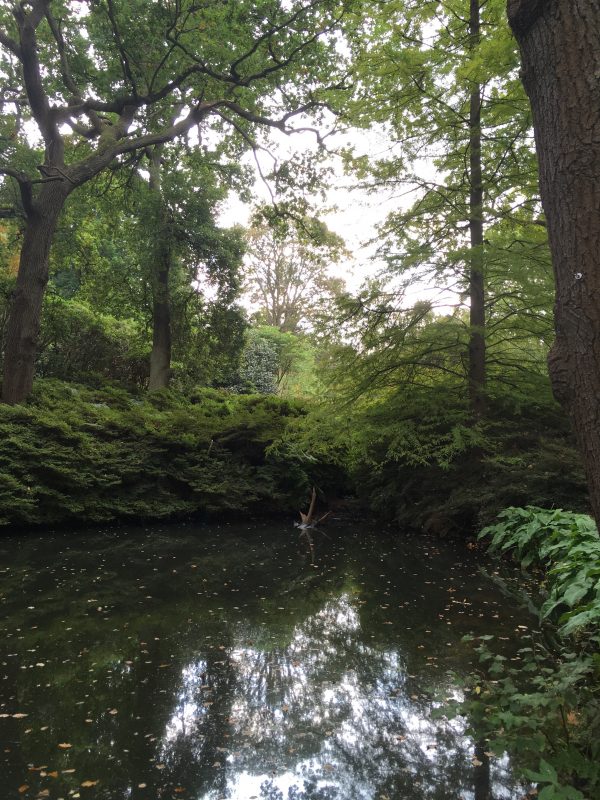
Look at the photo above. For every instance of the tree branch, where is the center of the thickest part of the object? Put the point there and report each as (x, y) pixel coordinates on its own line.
(25, 184)
(67, 75)
(523, 14)
(10, 44)
(127, 73)
(8, 212)
(32, 75)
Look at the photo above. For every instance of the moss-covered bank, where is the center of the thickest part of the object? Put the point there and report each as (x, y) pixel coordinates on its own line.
(83, 454)
(80, 454)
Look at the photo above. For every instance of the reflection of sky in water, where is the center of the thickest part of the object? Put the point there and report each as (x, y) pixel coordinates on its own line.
(192, 665)
(347, 703)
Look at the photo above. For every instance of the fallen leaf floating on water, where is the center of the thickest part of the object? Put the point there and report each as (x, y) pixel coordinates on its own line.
(23, 788)
(88, 784)
(19, 716)
(113, 711)
(65, 745)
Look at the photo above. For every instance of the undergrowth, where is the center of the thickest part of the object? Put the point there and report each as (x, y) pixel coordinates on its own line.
(543, 705)
(77, 453)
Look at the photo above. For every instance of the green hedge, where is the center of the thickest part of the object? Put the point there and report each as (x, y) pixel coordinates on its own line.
(79, 454)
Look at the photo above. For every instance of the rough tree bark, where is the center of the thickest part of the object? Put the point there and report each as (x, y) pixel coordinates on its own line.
(559, 42)
(23, 323)
(160, 357)
(477, 371)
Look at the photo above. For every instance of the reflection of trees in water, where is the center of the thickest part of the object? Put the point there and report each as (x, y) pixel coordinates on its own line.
(330, 710)
(307, 702)
(195, 744)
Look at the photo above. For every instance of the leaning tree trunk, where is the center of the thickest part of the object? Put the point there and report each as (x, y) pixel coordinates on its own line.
(160, 357)
(26, 308)
(476, 267)
(559, 41)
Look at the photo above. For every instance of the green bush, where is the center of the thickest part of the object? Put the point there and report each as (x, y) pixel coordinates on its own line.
(418, 461)
(567, 547)
(77, 342)
(543, 704)
(75, 453)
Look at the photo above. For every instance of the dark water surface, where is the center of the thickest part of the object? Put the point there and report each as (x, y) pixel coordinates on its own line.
(207, 663)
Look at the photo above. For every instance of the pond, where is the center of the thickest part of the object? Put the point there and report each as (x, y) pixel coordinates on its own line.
(219, 662)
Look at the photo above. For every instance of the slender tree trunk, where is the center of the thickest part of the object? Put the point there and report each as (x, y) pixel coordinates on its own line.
(476, 267)
(26, 308)
(160, 358)
(559, 41)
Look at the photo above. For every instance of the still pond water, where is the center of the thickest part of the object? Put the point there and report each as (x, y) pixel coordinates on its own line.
(208, 663)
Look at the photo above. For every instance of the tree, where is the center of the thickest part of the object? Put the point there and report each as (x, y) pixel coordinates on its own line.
(287, 268)
(259, 366)
(187, 254)
(442, 78)
(561, 63)
(160, 357)
(143, 246)
(112, 83)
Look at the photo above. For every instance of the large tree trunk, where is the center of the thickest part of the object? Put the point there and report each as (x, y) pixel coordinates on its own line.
(476, 272)
(559, 41)
(160, 358)
(26, 308)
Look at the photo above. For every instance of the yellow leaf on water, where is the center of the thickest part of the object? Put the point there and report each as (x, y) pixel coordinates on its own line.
(23, 788)
(87, 784)
(65, 745)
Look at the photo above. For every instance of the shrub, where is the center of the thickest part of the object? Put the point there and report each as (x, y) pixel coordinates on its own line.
(544, 703)
(76, 453)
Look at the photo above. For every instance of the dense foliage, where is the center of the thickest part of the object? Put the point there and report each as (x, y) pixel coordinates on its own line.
(546, 700)
(567, 547)
(75, 453)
